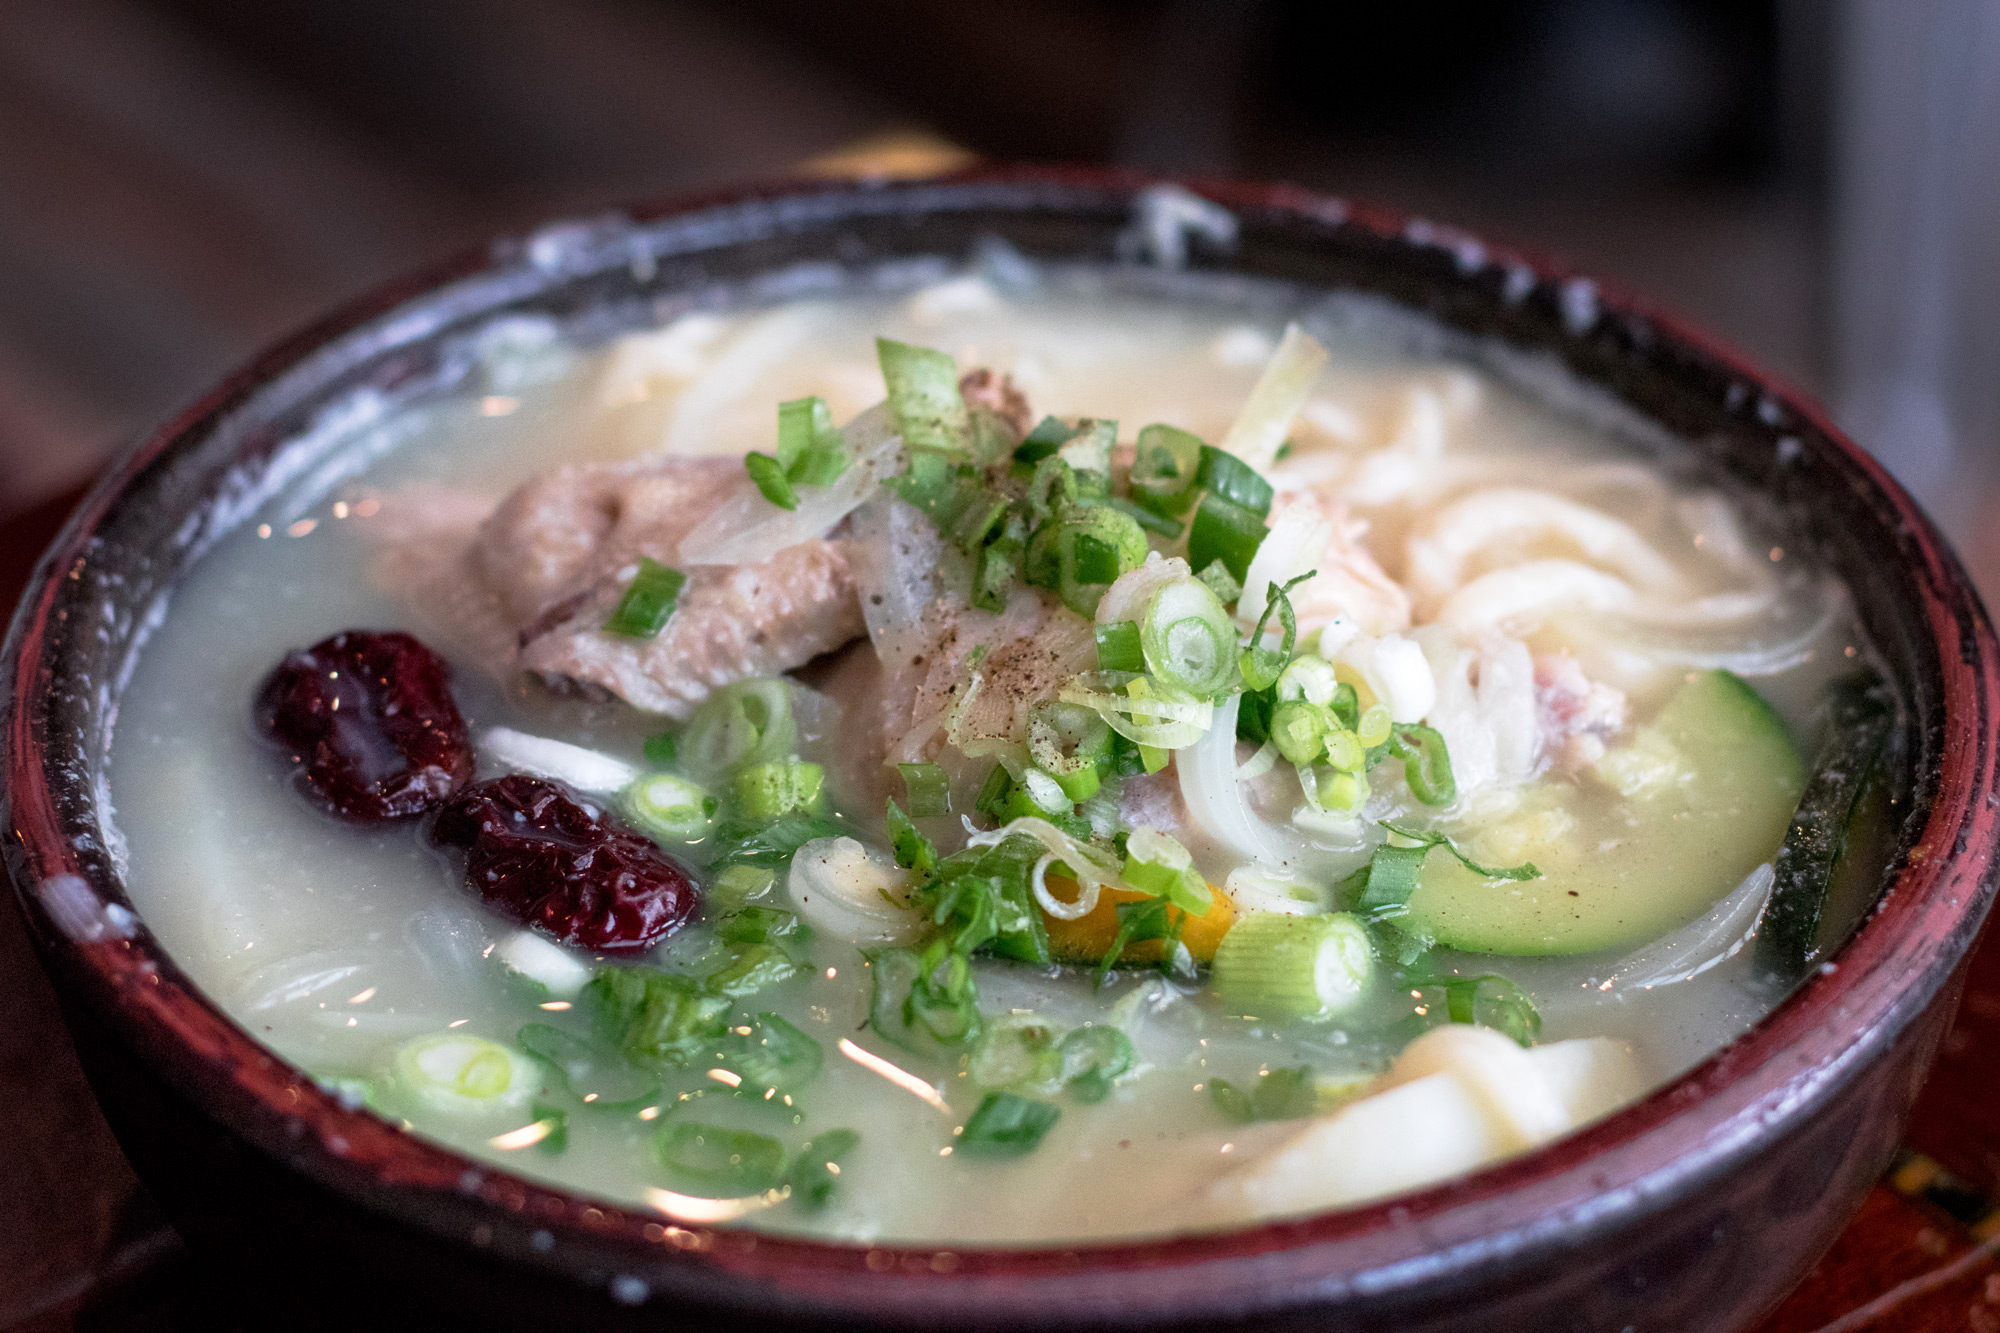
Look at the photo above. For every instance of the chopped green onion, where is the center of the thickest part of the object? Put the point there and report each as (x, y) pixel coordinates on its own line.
(750, 968)
(1048, 436)
(810, 450)
(760, 925)
(736, 887)
(771, 845)
(924, 399)
(745, 722)
(555, 1120)
(1225, 531)
(1233, 479)
(1044, 794)
(1089, 452)
(1372, 728)
(1278, 1094)
(781, 787)
(663, 748)
(669, 808)
(712, 1162)
(1274, 965)
(1263, 666)
(1426, 764)
(1220, 582)
(1311, 678)
(1343, 751)
(913, 850)
(1158, 864)
(1118, 647)
(928, 788)
(1157, 524)
(993, 794)
(656, 1017)
(1007, 1126)
(1188, 639)
(1163, 469)
(602, 1079)
(994, 571)
(1094, 545)
(1069, 742)
(1392, 873)
(815, 1173)
(926, 1002)
(1300, 732)
(452, 1071)
(1017, 1051)
(769, 474)
(1093, 1057)
(648, 601)
(1148, 919)
(1493, 1001)
(1274, 402)
(773, 1056)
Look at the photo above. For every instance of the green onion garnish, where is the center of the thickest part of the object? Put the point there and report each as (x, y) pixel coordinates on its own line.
(993, 794)
(648, 601)
(810, 450)
(1262, 665)
(711, 1162)
(1007, 1126)
(669, 808)
(1278, 1094)
(1233, 479)
(1094, 545)
(1093, 1058)
(783, 787)
(1157, 524)
(1426, 763)
(1491, 1001)
(1390, 876)
(928, 788)
(924, 399)
(925, 1001)
(736, 887)
(556, 1122)
(1164, 468)
(1274, 965)
(663, 747)
(1070, 743)
(1225, 531)
(1118, 647)
(913, 850)
(1047, 437)
(815, 1172)
(1189, 641)
(1158, 864)
(588, 1070)
(746, 722)
(769, 474)
(1220, 582)
(773, 1056)
(1299, 730)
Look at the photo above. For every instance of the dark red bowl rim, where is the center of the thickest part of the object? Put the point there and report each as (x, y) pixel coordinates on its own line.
(1683, 1132)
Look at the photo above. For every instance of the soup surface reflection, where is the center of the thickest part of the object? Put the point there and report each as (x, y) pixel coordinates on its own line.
(1223, 892)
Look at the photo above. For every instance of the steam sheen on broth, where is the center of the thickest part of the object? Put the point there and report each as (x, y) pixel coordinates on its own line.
(1525, 634)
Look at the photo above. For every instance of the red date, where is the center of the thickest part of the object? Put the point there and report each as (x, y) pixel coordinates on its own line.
(538, 856)
(369, 722)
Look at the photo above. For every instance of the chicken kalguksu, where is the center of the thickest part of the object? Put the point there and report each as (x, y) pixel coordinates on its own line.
(999, 763)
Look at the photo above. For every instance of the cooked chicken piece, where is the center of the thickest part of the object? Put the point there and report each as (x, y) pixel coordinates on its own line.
(1311, 532)
(998, 395)
(1575, 714)
(531, 586)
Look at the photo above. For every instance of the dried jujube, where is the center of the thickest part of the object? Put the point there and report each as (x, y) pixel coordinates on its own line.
(539, 856)
(368, 719)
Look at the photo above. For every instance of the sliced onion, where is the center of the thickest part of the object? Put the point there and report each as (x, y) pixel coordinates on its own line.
(585, 770)
(1694, 949)
(1214, 796)
(1092, 869)
(747, 529)
(1161, 720)
(1275, 400)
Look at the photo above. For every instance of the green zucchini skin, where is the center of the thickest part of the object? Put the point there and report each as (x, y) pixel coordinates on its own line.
(1859, 713)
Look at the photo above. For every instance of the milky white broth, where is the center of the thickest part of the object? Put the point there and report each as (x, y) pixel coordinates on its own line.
(334, 944)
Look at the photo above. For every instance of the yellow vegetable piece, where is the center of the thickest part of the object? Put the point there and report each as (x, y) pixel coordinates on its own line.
(1085, 939)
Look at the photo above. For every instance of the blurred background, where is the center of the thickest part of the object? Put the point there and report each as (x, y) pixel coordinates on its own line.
(1817, 180)
(182, 181)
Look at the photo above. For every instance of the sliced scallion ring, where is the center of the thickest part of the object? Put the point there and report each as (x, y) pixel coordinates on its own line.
(668, 807)
(1188, 640)
(1163, 469)
(1275, 965)
(1071, 743)
(747, 722)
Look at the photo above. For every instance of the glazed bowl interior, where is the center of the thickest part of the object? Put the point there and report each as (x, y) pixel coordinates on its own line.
(279, 429)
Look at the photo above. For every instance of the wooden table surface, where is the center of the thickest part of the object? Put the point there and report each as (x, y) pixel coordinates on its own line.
(82, 1247)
